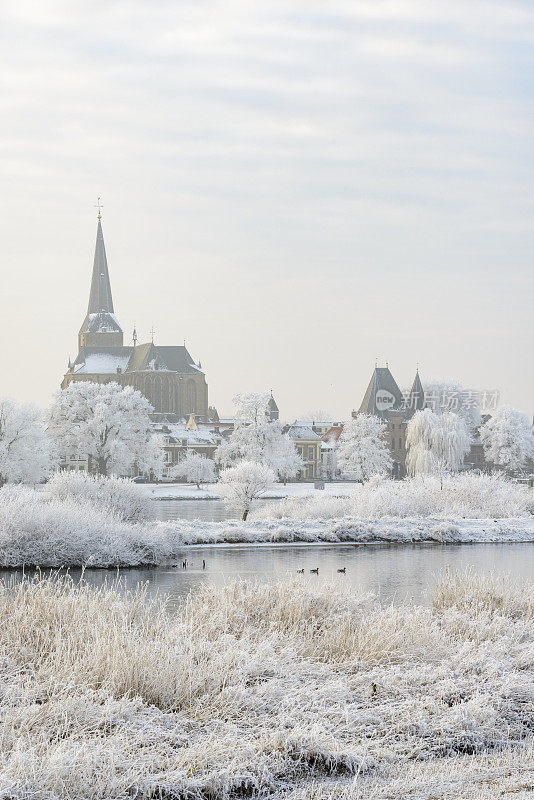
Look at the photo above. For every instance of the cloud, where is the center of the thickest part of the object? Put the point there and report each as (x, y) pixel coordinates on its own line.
(307, 149)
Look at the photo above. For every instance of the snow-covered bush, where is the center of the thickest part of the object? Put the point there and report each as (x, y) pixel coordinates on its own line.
(195, 468)
(363, 450)
(25, 449)
(242, 484)
(508, 439)
(265, 690)
(465, 495)
(36, 530)
(117, 496)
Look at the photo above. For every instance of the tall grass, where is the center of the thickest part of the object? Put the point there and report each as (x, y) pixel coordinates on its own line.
(255, 689)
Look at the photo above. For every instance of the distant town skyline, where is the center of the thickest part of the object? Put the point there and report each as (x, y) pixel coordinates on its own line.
(297, 192)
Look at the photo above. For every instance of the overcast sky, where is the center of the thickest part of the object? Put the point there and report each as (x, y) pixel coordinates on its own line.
(297, 188)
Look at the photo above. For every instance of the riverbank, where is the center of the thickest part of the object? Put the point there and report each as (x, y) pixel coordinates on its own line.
(87, 522)
(266, 689)
(89, 539)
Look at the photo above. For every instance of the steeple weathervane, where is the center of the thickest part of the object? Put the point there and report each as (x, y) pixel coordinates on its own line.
(100, 207)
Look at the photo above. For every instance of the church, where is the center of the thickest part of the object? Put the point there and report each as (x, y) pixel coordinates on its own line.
(165, 374)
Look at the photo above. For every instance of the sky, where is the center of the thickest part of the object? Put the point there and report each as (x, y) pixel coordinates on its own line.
(297, 189)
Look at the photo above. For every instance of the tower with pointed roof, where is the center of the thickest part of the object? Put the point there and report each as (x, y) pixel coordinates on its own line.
(100, 327)
(384, 399)
(416, 399)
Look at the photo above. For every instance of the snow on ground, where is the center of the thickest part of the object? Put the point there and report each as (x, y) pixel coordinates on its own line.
(267, 690)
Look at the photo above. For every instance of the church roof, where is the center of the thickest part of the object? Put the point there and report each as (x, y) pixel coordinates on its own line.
(178, 359)
(102, 360)
(382, 394)
(143, 358)
(100, 298)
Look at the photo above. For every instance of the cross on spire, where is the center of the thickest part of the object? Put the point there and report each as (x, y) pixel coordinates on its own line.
(100, 207)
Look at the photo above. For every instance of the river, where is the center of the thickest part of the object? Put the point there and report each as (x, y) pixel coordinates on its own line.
(395, 573)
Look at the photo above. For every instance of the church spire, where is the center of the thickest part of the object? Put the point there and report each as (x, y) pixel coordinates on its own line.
(100, 296)
(100, 327)
(417, 394)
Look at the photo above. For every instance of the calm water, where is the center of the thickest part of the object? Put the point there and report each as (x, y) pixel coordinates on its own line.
(209, 510)
(393, 572)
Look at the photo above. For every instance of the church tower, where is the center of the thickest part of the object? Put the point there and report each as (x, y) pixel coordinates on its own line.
(100, 327)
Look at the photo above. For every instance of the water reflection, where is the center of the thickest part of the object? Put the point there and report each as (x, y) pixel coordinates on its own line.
(395, 573)
(206, 510)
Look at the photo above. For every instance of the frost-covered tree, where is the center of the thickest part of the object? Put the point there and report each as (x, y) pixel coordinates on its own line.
(242, 484)
(258, 438)
(108, 423)
(436, 443)
(288, 461)
(508, 439)
(195, 468)
(317, 416)
(448, 396)
(363, 450)
(25, 449)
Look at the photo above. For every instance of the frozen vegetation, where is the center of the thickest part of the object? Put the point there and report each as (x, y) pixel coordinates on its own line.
(457, 496)
(105, 522)
(267, 690)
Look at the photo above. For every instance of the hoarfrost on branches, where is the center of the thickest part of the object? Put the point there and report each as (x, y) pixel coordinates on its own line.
(118, 497)
(195, 468)
(450, 396)
(25, 449)
(436, 443)
(258, 438)
(242, 484)
(363, 450)
(508, 439)
(108, 423)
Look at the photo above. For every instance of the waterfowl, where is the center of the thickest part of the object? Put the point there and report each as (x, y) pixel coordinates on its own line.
(316, 570)
(301, 570)
(341, 569)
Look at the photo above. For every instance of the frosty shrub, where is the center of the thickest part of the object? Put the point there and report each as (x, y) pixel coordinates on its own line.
(117, 496)
(265, 690)
(466, 495)
(38, 530)
(195, 468)
(242, 484)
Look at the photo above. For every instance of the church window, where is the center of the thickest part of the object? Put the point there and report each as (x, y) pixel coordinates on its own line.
(191, 397)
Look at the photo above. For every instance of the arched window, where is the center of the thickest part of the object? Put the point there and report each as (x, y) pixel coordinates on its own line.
(190, 397)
